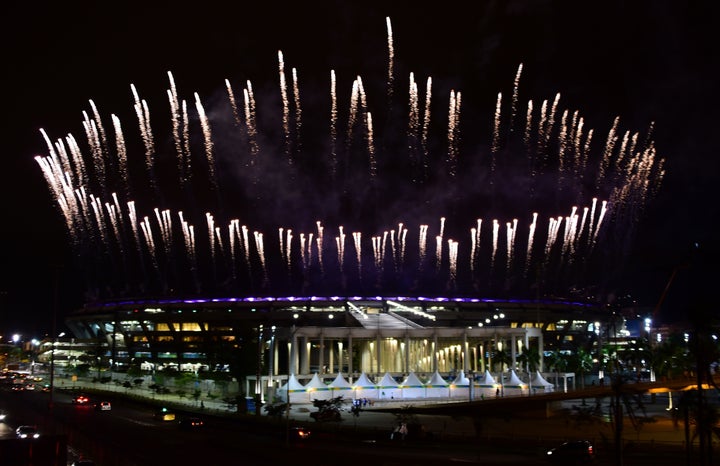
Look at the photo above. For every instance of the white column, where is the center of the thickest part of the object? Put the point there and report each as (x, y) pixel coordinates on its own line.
(465, 353)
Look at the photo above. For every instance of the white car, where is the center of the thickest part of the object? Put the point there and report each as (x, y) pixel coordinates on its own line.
(27, 432)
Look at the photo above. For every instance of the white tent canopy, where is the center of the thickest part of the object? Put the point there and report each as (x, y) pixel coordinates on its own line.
(364, 387)
(295, 389)
(460, 387)
(412, 387)
(539, 383)
(486, 386)
(437, 387)
(388, 388)
(514, 386)
(340, 386)
(317, 390)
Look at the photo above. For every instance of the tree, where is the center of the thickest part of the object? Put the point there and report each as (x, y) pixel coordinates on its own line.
(581, 362)
(501, 357)
(530, 359)
(558, 362)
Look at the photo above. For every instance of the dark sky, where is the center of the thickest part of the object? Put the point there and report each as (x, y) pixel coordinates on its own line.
(642, 61)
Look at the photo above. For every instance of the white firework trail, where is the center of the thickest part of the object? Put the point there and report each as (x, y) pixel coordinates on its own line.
(562, 148)
(176, 118)
(207, 134)
(511, 231)
(298, 110)
(357, 236)
(542, 126)
(352, 117)
(442, 226)
(453, 127)
(143, 115)
(391, 59)
(377, 257)
(528, 124)
(211, 233)
(340, 243)
(218, 237)
(609, 146)
(551, 118)
(100, 128)
(495, 235)
(233, 237)
(591, 227)
(288, 247)
(286, 105)
(426, 125)
(281, 240)
(422, 246)
(531, 241)
(319, 242)
(132, 215)
(516, 88)
(414, 115)
(371, 146)
(94, 143)
(383, 247)
(149, 241)
(310, 249)
(112, 215)
(603, 211)
(452, 257)
(260, 247)
(186, 141)
(496, 125)
(333, 123)
(246, 244)
(233, 103)
(393, 249)
(250, 118)
(583, 222)
(438, 251)
(97, 210)
(121, 153)
(303, 255)
(189, 237)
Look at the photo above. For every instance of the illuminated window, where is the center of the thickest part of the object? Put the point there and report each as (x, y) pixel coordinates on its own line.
(190, 327)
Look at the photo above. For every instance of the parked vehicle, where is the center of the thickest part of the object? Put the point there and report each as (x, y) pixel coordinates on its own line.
(572, 453)
(27, 432)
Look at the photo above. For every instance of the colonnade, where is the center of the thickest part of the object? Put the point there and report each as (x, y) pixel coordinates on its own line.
(329, 350)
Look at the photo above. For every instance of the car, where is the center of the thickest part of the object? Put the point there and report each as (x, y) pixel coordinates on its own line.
(81, 400)
(164, 414)
(299, 434)
(83, 462)
(191, 423)
(573, 452)
(27, 432)
(103, 406)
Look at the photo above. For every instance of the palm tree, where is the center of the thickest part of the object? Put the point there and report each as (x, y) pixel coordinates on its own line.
(558, 362)
(582, 362)
(530, 360)
(502, 357)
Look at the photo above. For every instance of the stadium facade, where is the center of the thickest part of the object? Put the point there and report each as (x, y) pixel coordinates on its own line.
(304, 336)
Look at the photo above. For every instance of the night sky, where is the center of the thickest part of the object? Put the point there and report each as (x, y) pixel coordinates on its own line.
(644, 62)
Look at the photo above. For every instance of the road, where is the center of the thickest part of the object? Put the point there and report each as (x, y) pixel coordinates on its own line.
(130, 436)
